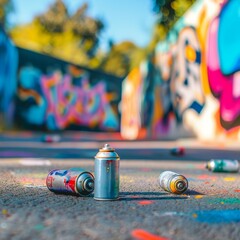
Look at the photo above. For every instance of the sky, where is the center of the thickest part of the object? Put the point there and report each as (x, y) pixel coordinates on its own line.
(131, 20)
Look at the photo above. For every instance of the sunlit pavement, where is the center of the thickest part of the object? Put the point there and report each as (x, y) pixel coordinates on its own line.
(210, 209)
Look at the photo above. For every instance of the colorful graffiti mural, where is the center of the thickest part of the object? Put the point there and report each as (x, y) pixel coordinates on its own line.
(130, 105)
(8, 84)
(56, 95)
(196, 77)
(223, 69)
(189, 87)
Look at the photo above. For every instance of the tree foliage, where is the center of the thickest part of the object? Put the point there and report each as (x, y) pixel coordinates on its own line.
(73, 38)
(122, 58)
(54, 20)
(76, 37)
(168, 11)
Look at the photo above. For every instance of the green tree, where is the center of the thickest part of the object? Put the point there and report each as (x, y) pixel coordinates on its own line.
(87, 28)
(71, 37)
(75, 38)
(169, 11)
(55, 18)
(122, 58)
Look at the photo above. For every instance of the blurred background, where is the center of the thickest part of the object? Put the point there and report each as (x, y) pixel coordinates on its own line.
(149, 69)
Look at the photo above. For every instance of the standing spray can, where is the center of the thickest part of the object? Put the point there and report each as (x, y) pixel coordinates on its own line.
(223, 165)
(75, 181)
(106, 172)
(173, 182)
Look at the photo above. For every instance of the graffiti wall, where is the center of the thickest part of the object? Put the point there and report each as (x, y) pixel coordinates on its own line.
(8, 83)
(191, 86)
(55, 95)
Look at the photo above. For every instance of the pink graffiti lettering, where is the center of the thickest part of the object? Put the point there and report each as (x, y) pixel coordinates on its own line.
(221, 85)
(69, 104)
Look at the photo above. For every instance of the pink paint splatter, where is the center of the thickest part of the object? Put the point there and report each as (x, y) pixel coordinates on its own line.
(145, 169)
(141, 234)
(203, 177)
(201, 166)
(134, 196)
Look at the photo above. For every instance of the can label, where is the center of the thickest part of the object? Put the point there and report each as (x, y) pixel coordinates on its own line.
(106, 179)
(165, 179)
(62, 181)
(224, 165)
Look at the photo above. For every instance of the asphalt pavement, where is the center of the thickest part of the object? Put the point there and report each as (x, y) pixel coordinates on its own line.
(209, 209)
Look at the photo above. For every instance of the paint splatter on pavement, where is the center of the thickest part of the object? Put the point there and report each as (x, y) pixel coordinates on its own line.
(140, 234)
(209, 208)
(218, 216)
(145, 202)
(199, 196)
(229, 179)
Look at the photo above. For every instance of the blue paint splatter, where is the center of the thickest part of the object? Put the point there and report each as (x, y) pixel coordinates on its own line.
(218, 216)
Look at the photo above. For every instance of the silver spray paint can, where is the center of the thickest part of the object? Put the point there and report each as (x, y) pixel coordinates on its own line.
(74, 181)
(173, 182)
(106, 172)
(223, 165)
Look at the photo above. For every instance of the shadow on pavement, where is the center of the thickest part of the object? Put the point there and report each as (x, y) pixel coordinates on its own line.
(193, 193)
(139, 196)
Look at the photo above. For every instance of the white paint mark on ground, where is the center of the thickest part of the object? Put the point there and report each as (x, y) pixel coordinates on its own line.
(35, 186)
(35, 162)
(169, 214)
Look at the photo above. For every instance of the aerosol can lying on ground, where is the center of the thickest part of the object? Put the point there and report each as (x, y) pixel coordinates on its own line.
(178, 151)
(223, 165)
(173, 182)
(106, 172)
(75, 181)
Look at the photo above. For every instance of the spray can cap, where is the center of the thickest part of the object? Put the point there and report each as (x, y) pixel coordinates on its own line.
(107, 152)
(107, 148)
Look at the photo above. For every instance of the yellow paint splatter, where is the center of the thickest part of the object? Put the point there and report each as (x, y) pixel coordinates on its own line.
(195, 215)
(198, 196)
(4, 211)
(222, 202)
(229, 179)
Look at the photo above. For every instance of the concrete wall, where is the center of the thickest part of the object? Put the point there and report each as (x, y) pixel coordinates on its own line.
(56, 95)
(191, 86)
(40, 92)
